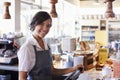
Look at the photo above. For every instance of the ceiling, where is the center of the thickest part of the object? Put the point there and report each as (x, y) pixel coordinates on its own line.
(80, 3)
(92, 3)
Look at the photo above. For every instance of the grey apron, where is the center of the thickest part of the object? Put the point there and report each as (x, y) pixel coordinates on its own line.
(42, 67)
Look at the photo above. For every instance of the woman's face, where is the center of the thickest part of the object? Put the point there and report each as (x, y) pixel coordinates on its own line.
(42, 29)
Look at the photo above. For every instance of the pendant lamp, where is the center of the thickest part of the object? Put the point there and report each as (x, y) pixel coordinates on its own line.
(53, 12)
(7, 14)
(109, 12)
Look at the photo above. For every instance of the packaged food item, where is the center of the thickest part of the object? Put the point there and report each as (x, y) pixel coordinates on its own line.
(82, 46)
(87, 47)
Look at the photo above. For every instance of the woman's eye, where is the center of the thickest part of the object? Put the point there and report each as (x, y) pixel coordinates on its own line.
(49, 25)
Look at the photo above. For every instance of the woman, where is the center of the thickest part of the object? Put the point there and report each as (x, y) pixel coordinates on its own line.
(34, 55)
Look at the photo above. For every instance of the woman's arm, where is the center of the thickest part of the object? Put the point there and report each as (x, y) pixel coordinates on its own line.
(59, 72)
(22, 75)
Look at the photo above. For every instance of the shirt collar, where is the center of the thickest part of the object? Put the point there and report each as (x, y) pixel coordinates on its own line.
(33, 41)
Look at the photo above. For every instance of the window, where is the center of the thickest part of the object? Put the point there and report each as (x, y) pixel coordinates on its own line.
(61, 25)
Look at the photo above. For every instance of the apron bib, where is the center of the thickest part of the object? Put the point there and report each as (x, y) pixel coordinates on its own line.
(42, 67)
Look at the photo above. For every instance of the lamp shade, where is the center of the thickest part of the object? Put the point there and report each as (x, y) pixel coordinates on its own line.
(53, 8)
(7, 14)
(109, 11)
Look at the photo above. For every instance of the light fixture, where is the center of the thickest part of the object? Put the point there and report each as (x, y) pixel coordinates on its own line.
(53, 10)
(7, 14)
(109, 12)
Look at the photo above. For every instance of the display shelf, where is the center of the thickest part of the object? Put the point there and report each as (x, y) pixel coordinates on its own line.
(113, 30)
(88, 33)
(113, 35)
(88, 28)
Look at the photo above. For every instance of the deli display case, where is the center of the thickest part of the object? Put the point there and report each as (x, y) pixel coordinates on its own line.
(114, 36)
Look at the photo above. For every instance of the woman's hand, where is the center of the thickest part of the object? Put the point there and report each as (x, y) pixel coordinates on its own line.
(79, 67)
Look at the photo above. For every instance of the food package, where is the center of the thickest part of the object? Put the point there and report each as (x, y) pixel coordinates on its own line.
(87, 47)
(84, 45)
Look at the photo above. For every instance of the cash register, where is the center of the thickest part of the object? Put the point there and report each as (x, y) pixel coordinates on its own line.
(74, 75)
(8, 52)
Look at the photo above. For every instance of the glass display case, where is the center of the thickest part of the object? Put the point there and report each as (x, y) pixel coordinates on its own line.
(114, 35)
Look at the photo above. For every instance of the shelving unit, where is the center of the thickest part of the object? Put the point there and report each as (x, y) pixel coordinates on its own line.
(88, 28)
(113, 35)
(114, 30)
(88, 33)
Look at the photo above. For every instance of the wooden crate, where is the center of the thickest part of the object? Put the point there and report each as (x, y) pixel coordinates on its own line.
(88, 60)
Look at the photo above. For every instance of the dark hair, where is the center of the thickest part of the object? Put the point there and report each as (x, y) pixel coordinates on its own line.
(38, 18)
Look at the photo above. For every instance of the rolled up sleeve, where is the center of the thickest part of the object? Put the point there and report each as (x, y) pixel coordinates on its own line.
(26, 58)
